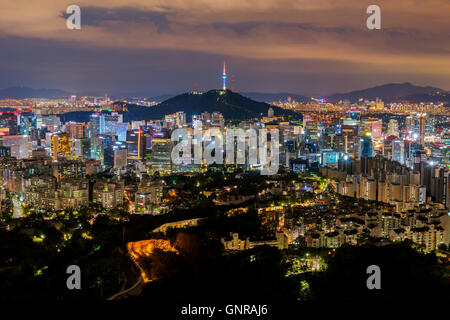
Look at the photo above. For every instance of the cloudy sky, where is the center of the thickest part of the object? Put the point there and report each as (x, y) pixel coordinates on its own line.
(165, 46)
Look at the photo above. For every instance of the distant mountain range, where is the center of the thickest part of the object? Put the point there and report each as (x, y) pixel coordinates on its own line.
(392, 92)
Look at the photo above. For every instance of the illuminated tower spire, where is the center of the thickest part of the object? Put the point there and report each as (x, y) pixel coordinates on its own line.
(224, 77)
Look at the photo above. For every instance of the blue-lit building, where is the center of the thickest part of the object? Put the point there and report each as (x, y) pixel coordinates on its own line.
(366, 146)
(113, 123)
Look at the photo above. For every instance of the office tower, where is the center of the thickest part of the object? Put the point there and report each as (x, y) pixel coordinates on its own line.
(97, 147)
(349, 127)
(340, 143)
(270, 113)
(18, 145)
(161, 155)
(148, 131)
(9, 120)
(398, 151)
(410, 125)
(26, 122)
(136, 144)
(61, 146)
(50, 123)
(113, 123)
(374, 126)
(108, 121)
(352, 136)
(100, 143)
(430, 126)
(328, 140)
(421, 122)
(108, 157)
(109, 140)
(419, 159)
(366, 145)
(94, 125)
(76, 130)
(408, 155)
(77, 148)
(83, 148)
(312, 131)
(392, 129)
(120, 155)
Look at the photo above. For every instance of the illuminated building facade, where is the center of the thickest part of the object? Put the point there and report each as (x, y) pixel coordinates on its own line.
(18, 144)
(136, 142)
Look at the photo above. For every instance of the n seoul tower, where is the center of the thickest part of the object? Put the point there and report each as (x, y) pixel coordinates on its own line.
(224, 77)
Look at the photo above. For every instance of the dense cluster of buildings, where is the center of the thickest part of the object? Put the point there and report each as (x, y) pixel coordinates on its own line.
(394, 160)
(429, 228)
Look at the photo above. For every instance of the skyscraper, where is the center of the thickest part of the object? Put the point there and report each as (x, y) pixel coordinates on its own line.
(430, 126)
(120, 155)
(113, 123)
(94, 125)
(421, 128)
(161, 152)
(61, 146)
(18, 145)
(372, 125)
(398, 151)
(392, 129)
(76, 130)
(410, 126)
(366, 145)
(136, 144)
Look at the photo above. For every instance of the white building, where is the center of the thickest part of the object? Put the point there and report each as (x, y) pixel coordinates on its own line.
(19, 145)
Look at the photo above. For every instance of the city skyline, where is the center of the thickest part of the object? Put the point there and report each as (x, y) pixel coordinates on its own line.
(225, 158)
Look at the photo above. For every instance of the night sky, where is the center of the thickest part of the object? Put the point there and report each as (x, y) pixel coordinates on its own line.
(298, 46)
